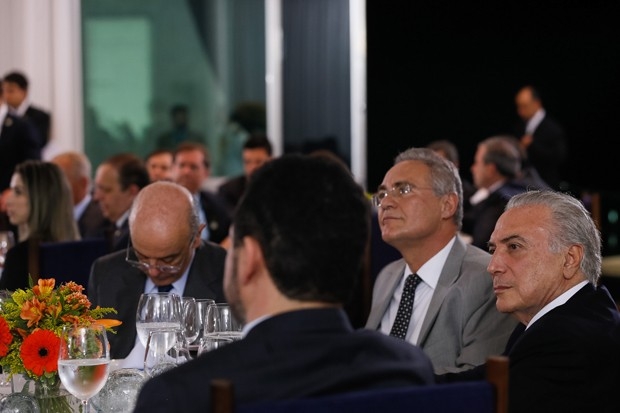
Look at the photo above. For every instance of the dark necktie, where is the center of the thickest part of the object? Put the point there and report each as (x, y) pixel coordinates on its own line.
(164, 288)
(403, 315)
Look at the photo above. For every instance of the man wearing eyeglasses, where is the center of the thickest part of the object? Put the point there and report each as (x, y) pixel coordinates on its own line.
(165, 254)
(439, 296)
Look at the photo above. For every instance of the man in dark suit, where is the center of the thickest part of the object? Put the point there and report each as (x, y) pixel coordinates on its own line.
(164, 234)
(191, 167)
(546, 266)
(256, 151)
(453, 317)
(15, 86)
(541, 136)
(86, 211)
(298, 240)
(17, 144)
(117, 182)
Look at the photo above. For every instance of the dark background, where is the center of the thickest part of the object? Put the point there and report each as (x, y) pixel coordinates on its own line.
(450, 70)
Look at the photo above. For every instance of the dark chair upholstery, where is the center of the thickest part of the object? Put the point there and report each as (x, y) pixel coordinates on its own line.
(483, 396)
(67, 260)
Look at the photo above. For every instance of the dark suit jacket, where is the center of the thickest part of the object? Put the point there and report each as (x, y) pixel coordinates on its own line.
(15, 272)
(567, 361)
(548, 150)
(231, 191)
(114, 283)
(118, 239)
(479, 220)
(295, 354)
(18, 143)
(92, 223)
(218, 217)
(41, 122)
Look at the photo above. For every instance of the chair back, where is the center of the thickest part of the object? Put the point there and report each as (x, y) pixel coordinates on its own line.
(481, 396)
(67, 260)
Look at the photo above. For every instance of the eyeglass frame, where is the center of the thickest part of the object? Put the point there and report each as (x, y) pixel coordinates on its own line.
(398, 191)
(144, 266)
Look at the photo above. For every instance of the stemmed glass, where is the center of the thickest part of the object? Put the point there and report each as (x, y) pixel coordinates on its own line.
(165, 349)
(84, 361)
(221, 328)
(157, 311)
(7, 240)
(202, 307)
(190, 320)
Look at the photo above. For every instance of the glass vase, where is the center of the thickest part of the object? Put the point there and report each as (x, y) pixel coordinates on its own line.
(51, 397)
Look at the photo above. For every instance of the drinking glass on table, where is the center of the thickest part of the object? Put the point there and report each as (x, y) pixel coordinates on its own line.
(157, 311)
(83, 361)
(7, 240)
(190, 320)
(202, 306)
(165, 349)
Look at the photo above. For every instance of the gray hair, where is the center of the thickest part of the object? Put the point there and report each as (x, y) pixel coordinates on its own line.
(445, 178)
(571, 224)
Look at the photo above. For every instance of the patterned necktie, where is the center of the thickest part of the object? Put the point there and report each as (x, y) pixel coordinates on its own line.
(164, 288)
(403, 315)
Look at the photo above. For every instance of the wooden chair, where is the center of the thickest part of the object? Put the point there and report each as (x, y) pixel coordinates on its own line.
(66, 260)
(484, 396)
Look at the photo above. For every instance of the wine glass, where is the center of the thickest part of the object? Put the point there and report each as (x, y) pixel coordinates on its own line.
(222, 323)
(165, 349)
(202, 306)
(190, 319)
(7, 240)
(84, 361)
(157, 311)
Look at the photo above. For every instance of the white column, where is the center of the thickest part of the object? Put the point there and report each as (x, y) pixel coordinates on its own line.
(273, 73)
(357, 24)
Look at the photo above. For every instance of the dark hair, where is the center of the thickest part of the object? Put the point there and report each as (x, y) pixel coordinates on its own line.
(312, 222)
(448, 148)
(18, 78)
(131, 170)
(50, 201)
(158, 152)
(501, 152)
(258, 141)
(193, 146)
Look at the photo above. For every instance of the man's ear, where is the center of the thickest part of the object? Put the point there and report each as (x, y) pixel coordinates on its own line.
(572, 261)
(251, 260)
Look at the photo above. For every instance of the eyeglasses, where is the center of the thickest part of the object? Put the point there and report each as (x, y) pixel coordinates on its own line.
(399, 190)
(166, 268)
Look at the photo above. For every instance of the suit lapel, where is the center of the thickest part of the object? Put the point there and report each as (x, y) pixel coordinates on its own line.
(449, 274)
(385, 294)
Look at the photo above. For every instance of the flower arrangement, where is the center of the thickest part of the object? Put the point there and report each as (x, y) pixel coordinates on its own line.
(30, 324)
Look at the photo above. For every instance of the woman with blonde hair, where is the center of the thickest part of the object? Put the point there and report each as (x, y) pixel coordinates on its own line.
(40, 206)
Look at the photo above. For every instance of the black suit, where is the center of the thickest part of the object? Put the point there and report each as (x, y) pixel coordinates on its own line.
(118, 238)
(114, 283)
(15, 272)
(295, 354)
(567, 361)
(548, 150)
(218, 217)
(18, 143)
(92, 223)
(41, 121)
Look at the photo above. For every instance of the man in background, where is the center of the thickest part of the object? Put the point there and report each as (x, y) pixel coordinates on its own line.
(191, 168)
(541, 136)
(15, 85)
(298, 242)
(86, 211)
(256, 151)
(159, 165)
(117, 183)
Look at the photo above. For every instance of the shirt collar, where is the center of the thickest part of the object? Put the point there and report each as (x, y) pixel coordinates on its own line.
(430, 271)
(558, 301)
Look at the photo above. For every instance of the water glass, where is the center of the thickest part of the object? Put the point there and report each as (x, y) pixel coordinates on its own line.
(165, 349)
(157, 311)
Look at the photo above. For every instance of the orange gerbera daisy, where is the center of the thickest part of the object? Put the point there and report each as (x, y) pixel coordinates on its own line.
(5, 337)
(39, 352)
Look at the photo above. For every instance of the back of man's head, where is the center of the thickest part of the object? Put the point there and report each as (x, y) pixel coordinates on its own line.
(312, 222)
(130, 168)
(18, 78)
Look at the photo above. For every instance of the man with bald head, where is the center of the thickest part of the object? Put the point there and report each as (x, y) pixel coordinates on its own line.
(165, 253)
(86, 211)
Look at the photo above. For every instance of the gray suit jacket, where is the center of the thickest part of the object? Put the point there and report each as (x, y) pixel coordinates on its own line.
(114, 283)
(462, 326)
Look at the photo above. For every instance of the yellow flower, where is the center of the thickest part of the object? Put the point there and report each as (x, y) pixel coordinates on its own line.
(44, 287)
